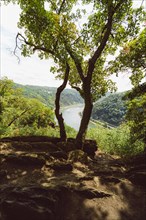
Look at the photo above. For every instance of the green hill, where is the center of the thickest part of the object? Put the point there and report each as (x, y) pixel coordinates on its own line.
(47, 94)
(110, 109)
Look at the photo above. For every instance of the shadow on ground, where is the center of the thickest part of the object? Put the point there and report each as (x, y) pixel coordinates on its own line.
(41, 180)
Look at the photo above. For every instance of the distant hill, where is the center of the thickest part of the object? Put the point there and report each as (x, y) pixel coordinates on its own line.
(47, 94)
(110, 109)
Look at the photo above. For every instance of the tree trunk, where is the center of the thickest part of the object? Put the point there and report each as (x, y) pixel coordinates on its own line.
(59, 117)
(86, 115)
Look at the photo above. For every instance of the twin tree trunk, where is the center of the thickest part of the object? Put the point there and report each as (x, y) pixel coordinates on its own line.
(86, 112)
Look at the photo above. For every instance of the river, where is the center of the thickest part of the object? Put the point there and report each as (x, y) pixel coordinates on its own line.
(72, 116)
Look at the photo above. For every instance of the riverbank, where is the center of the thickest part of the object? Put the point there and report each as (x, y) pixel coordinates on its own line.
(72, 116)
(71, 106)
(102, 123)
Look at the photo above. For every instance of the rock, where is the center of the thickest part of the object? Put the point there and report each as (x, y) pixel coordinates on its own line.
(59, 155)
(61, 166)
(105, 180)
(31, 139)
(25, 160)
(31, 147)
(138, 178)
(66, 146)
(3, 174)
(90, 147)
(136, 172)
(99, 189)
(92, 193)
(136, 160)
(44, 146)
(5, 146)
(16, 210)
(140, 167)
(32, 203)
(86, 178)
(77, 156)
(21, 146)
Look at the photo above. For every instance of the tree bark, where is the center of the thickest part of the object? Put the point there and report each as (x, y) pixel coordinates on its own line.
(59, 117)
(86, 114)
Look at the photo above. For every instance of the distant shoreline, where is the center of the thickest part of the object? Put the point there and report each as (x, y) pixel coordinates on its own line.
(71, 106)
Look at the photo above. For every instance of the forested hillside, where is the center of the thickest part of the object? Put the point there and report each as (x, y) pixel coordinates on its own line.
(20, 115)
(110, 109)
(47, 94)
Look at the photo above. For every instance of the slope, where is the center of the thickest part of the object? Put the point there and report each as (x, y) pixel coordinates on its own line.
(110, 109)
(47, 94)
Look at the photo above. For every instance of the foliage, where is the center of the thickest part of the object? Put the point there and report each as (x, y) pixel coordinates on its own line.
(111, 109)
(71, 132)
(56, 28)
(132, 57)
(136, 114)
(30, 130)
(115, 141)
(21, 116)
(17, 112)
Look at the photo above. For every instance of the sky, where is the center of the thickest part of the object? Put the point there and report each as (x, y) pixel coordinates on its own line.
(32, 70)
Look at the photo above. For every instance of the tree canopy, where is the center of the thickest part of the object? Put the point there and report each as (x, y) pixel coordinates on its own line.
(18, 112)
(136, 114)
(132, 58)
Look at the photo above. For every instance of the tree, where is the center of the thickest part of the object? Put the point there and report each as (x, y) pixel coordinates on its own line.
(51, 28)
(133, 58)
(18, 111)
(136, 114)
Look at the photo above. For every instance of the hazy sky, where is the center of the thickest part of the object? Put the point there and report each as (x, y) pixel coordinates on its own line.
(32, 70)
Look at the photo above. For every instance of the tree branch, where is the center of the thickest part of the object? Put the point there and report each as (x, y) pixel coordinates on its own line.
(16, 46)
(59, 11)
(35, 47)
(118, 5)
(108, 27)
(102, 45)
(77, 63)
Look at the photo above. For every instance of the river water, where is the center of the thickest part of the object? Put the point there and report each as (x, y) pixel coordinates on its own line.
(72, 116)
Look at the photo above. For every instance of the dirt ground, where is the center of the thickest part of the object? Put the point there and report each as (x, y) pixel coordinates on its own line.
(41, 180)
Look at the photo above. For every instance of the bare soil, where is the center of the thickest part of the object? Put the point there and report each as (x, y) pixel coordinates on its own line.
(40, 181)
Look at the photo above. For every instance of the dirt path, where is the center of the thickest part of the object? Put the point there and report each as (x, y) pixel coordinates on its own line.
(40, 181)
